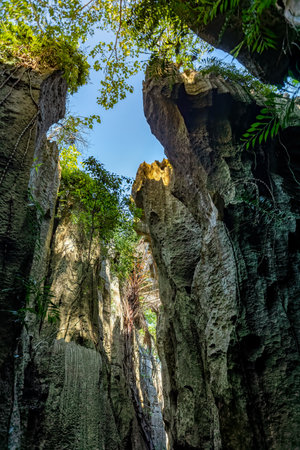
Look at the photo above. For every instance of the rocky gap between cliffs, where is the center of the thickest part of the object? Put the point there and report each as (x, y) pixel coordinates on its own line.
(227, 271)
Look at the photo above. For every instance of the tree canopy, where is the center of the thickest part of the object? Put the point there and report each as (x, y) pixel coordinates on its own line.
(55, 33)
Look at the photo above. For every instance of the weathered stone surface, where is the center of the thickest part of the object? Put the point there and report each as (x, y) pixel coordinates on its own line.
(30, 103)
(63, 385)
(226, 32)
(224, 227)
(43, 186)
(72, 389)
(150, 389)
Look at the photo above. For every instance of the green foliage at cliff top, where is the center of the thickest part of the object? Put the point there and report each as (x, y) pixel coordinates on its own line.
(100, 206)
(96, 196)
(28, 38)
(53, 34)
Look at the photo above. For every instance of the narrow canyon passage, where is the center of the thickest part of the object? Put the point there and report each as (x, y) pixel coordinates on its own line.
(199, 349)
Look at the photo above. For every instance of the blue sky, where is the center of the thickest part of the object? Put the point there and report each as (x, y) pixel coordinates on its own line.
(123, 140)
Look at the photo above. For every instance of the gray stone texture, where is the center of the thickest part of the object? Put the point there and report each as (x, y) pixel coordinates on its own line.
(65, 385)
(29, 103)
(224, 228)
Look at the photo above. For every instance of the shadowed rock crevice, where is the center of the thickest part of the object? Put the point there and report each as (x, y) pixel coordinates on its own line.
(62, 385)
(30, 103)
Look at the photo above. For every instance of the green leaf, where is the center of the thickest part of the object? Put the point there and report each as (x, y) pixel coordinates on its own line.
(273, 130)
(267, 133)
(263, 117)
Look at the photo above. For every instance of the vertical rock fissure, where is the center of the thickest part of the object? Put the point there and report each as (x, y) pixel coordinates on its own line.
(130, 372)
(22, 137)
(75, 383)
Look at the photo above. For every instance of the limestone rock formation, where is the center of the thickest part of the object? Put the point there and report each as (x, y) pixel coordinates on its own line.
(30, 103)
(72, 383)
(62, 385)
(224, 228)
(75, 390)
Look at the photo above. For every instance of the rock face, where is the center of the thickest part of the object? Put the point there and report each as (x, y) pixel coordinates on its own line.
(71, 380)
(62, 385)
(224, 228)
(226, 31)
(30, 103)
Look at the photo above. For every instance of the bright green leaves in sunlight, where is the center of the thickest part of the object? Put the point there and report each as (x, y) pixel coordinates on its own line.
(69, 159)
(125, 241)
(140, 30)
(151, 318)
(55, 33)
(72, 130)
(52, 34)
(132, 33)
(20, 45)
(256, 34)
(47, 34)
(98, 199)
(159, 31)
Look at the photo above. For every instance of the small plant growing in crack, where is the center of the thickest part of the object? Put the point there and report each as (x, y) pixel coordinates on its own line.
(38, 301)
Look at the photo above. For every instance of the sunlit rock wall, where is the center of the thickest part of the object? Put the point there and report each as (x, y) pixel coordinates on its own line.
(72, 388)
(62, 385)
(224, 227)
